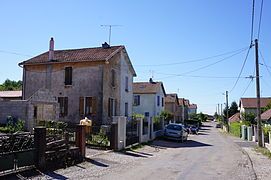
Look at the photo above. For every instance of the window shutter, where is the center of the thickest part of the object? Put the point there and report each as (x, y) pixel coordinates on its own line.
(65, 106)
(94, 105)
(81, 106)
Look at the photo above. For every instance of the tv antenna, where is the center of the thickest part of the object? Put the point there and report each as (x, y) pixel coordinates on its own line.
(110, 28)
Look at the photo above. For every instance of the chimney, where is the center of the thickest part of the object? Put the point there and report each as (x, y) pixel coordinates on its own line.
(51, 49)
(151, 81)
(105, 45)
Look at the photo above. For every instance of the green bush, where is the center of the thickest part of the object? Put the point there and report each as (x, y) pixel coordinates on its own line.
(235, 129)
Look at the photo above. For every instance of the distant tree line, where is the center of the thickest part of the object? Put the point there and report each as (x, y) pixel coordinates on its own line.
(10, 85)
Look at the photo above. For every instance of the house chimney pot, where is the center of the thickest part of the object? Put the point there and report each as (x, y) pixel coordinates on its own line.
(51, 49)
(151, 80)
(105, 45)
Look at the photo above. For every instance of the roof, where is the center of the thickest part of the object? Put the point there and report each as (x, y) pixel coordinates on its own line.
(172, 98)
(235, 117)
(147, 87)
(75, 55)
(252, 102)
(266, 115)
(181, 101)
(10, 94)
(78, 55)
(193, 106)
(186, 102)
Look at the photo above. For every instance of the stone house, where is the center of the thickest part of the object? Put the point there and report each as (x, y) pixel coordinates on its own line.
(41, 105)
(183, 109)
(172, 106)
(149, 98)
(88, 82)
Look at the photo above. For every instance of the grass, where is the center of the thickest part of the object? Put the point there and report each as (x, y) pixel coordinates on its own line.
(263, 151)
(139, 146)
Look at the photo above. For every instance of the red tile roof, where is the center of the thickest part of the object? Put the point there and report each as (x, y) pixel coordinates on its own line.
(252, 102)
(147, 87)
(186, 102)
(266, 115)
(181, 101)
(76, 55)
(10, 94)
(193, 106)
(235, 117)
(172, 98)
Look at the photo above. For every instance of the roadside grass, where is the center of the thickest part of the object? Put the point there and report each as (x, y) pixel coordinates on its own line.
(139, 146)
(263, 151)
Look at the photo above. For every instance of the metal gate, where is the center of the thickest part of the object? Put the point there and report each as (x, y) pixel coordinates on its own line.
(132, 134)
(17, 153)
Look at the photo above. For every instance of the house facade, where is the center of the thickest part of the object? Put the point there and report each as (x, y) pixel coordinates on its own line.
(149, 98)
(192, 109)
(88, 82)
(172, 106)
(249, 105)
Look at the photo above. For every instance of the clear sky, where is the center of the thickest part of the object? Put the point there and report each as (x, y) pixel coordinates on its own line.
(155, 32)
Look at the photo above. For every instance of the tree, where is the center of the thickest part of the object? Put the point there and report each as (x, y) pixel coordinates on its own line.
(167, 116)
(267, 107)
(202, 117)
(248, 118)
(10, 85)
(232, 109)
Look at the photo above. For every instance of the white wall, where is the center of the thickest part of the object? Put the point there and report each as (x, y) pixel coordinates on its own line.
(124, 95)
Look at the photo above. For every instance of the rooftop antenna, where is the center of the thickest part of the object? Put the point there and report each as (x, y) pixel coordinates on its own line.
(110, 28)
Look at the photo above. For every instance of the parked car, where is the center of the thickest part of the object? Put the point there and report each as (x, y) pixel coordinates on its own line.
(176, 132)
(218, 125)
(194, 129)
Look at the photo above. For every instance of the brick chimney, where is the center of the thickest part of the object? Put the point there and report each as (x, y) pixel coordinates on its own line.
(51, 49)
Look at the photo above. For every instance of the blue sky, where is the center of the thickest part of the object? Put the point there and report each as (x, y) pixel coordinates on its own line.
(155, 32)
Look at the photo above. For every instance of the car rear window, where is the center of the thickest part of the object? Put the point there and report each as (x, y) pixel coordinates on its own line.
(174, 127)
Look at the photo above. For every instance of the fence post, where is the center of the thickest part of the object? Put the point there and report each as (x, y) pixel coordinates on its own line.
(269, 133)
(140, 130)
(40, 146)
(152, 133)
(80, 139)
(114, 136)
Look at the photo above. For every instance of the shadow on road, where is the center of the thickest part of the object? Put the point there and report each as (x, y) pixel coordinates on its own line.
(206, 126)
(202, 133)
(95, 162)
(205, 129)
(174, 144)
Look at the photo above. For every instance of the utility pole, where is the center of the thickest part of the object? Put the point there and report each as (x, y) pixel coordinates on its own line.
(227, 111)
(110, 27)
(259, 121)
(218, 109)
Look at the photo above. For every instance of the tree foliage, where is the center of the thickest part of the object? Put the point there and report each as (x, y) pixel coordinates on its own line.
(232, 109)
(10, 85)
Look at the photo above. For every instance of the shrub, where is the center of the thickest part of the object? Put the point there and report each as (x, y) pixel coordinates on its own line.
(235, 129)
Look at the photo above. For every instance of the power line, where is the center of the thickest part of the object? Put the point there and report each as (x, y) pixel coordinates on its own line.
(247, 87)
(200, 76)
(15, 53)
(195, 60)
(260, 21)
(241, 69)
(203, 67)
(265, 63)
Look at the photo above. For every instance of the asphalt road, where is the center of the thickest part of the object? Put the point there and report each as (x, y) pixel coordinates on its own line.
(209, 155)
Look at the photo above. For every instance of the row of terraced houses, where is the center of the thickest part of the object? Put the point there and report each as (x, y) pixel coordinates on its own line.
(97, 83)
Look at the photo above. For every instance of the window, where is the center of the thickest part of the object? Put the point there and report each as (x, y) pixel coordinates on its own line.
(147, 114)
(87, 106)
(113, 77)
(158, 100)
(126, 84)
(111, 107)
(68, 75)
(35, 112)
(162, 102)
(136, 100)
(63, 106)
(126, 110)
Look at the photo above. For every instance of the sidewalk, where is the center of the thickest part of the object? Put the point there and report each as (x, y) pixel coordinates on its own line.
(260, 163)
